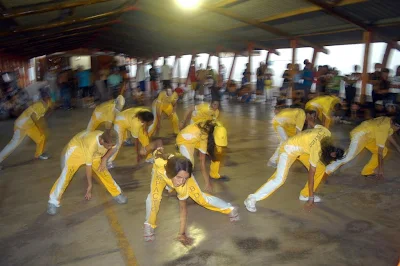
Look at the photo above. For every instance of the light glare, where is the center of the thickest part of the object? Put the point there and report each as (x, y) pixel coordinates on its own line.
(188, 4)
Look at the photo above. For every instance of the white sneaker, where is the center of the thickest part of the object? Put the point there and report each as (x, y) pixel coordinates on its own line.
(234, 215)
(316, 198)
(110, 165)
(250, 204)
(52, 209)
(121, 199)
(148, 233)
(272, 164)
(44, 156)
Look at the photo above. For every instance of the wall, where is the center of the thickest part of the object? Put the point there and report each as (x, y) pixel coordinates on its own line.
(83, 61)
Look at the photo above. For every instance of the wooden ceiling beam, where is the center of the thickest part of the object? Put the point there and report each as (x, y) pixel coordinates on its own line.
(45, 35)
(329, 9)
(46, 7)
(128, 6)
(262, 26)
(300, 11)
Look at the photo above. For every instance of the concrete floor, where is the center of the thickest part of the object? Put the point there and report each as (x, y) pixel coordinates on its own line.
(357, 224)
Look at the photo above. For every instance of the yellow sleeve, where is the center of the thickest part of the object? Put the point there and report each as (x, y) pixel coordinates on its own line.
(174, 98)
(300, 119)
(315, 155)
(89, 151)
(216, 114)
(143, 137)
(183, 194)
(382, 134)
(203, 146)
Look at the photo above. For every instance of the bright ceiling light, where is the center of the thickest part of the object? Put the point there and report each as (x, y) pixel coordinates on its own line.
(189, 4)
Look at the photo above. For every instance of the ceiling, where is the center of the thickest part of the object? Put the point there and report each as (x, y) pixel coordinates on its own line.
(152, 28)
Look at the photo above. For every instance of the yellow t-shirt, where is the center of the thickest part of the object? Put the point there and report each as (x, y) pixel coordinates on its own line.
(192, 136)
(204, 112)
(159, 171)
(378, 130)
(166, 103)
(307, 142)
(290, 119)
(24, 121)
(128, 120)
(86, 148)
(106, 111)
(324, 104)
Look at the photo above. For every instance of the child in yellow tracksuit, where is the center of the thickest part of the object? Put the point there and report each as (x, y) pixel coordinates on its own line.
(176, 172)
(137, 121)
(27, 125)
(372, 135)
(106, 113)
(209, 138)
(325, 106)
(201, 113)
(312, 146)
(165, 104)
(92, 149)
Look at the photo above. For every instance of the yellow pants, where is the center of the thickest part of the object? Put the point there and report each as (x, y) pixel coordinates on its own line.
(94, 123)
(122, 135)
(18, 137)
(358, 143)
(319, 174)
(283, 134)
(188, 152)
(173, 117)
(203, 199)
(279, 177)
(69, 166)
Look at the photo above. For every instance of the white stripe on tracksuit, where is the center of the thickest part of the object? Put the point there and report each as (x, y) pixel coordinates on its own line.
(53, 199)
(154, 110)
(17, 138)
(284, 163)
(283, 137)
(353, 151)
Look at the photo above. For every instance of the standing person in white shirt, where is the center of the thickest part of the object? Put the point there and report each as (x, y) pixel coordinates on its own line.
(166, 73)
(141, 77)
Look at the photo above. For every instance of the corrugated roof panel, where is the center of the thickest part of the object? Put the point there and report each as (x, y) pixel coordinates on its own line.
(216, 22)
(16, 3)
(37, 19)
(337, 38)
(91, 10)
(257, 9)
(373, 10)
(319, 22)
(250, 34)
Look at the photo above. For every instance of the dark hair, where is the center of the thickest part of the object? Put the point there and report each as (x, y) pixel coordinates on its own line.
(176, 164)
(44, 93)
(327, 148)
(385, 70)
(208, 128)
(145, 116)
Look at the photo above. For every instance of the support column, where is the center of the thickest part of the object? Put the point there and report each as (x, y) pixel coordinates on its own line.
(232, 69)
(190, 64)
(267, 58)
(208, 60)
(173, 67)
(385, 59)
(250, 48)
(293, 45)
(367, 36)
(314, 56)
(179, 70)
